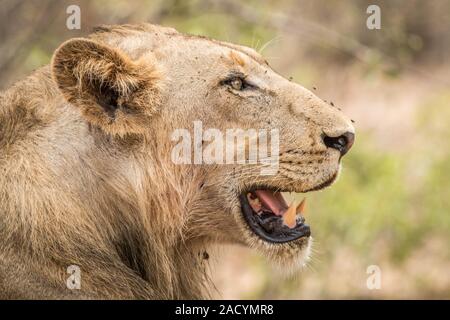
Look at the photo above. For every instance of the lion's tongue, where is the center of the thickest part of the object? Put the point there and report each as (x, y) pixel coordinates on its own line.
(273, 201)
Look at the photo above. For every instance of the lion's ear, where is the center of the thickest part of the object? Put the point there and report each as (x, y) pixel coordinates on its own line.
(112, 91)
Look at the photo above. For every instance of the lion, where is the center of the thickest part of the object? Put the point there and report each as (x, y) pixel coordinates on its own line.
(88, 181)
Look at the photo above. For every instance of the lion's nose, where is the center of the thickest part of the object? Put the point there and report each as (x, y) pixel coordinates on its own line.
(343, 143)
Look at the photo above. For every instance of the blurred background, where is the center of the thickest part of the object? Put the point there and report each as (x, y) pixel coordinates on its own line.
(391, 206)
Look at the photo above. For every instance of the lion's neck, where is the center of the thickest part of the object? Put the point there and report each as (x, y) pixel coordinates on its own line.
(153, 243)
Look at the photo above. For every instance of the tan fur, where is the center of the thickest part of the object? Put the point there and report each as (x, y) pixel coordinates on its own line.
(86, 176)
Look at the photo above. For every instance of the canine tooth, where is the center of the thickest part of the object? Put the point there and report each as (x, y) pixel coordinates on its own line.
(290, 216)
(254, 203)
(301, 207)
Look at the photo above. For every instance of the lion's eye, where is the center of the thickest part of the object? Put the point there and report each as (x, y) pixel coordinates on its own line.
(237, 84)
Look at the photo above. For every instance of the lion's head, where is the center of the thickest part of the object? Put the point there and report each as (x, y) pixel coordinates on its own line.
(142, 84)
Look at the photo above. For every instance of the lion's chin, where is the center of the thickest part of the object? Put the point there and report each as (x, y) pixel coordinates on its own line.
(286, 259)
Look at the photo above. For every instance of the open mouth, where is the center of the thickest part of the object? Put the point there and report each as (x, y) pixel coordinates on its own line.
(268, 216)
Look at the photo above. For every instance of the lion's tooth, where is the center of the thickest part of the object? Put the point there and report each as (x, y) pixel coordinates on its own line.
(254, 203)
(301, 207)
(290, 216)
